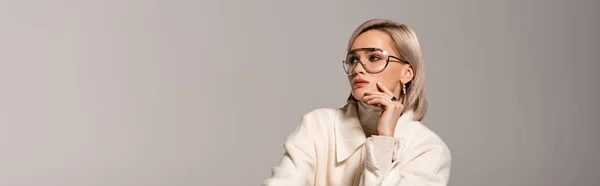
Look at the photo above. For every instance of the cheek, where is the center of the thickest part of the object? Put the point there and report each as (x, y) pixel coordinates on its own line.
(385, 77)
(389, 78)
(394, 74)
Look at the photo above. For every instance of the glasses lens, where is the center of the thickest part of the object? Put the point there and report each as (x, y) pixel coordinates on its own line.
(350, 62)
(373, 60)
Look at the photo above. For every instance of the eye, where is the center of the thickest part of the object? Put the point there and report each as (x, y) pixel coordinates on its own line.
(353, 59)
(374, 58)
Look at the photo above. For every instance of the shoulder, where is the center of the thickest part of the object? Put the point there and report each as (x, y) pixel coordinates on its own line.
(419, 137)
(321, 118)
(422, 146)
(321, 113)
(317, 121)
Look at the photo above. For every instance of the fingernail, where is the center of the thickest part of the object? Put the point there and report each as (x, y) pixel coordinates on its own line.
(379, 83)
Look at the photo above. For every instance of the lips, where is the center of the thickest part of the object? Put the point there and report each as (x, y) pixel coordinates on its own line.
(359, 82)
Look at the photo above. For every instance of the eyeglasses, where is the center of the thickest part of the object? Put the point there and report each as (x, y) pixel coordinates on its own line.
(377, 60)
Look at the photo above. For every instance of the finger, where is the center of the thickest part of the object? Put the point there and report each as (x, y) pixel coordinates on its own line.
(376, 94)
(384, 97)
(384, 89)
(379, 101)
(369, 93)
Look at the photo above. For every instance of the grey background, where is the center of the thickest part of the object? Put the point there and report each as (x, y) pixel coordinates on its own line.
(204, 92)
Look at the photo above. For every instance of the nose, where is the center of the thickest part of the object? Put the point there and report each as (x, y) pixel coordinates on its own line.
(358, 69)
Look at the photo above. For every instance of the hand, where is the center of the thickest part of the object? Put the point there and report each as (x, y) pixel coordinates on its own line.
(391, 109)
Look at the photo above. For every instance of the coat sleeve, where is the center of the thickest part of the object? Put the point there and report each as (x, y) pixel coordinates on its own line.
(298, 164)
(423, 162)
(381, 149)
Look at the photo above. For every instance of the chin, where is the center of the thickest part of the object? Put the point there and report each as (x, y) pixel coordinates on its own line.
(359, 92)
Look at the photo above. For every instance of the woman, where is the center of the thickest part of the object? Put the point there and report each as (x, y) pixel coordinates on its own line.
(377, 137)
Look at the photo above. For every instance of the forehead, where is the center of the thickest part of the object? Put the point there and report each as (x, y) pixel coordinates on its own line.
(373, 39)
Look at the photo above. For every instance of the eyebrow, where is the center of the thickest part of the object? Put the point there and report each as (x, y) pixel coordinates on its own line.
(366, 50)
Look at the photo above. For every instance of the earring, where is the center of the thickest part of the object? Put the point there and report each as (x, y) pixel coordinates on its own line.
(404, 89)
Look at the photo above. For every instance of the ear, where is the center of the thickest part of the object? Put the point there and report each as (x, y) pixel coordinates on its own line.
(407, 74)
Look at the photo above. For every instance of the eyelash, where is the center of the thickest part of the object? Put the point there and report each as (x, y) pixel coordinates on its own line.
(371, 58)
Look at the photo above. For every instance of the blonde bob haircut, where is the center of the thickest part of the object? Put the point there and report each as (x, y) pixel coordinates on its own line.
(406, 45)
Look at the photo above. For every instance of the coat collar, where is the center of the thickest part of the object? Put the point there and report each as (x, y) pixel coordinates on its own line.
(349, 135)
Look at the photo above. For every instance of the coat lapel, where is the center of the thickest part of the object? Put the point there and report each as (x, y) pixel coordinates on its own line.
(349, 135)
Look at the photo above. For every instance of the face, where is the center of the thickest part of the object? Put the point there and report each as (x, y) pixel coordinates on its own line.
(392, 77)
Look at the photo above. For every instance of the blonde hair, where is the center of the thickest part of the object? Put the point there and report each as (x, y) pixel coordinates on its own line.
(406, 45)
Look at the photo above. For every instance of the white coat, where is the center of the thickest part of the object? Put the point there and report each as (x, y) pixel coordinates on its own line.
(330, 148)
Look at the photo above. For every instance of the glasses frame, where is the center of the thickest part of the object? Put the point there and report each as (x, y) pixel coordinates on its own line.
(400, 60)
